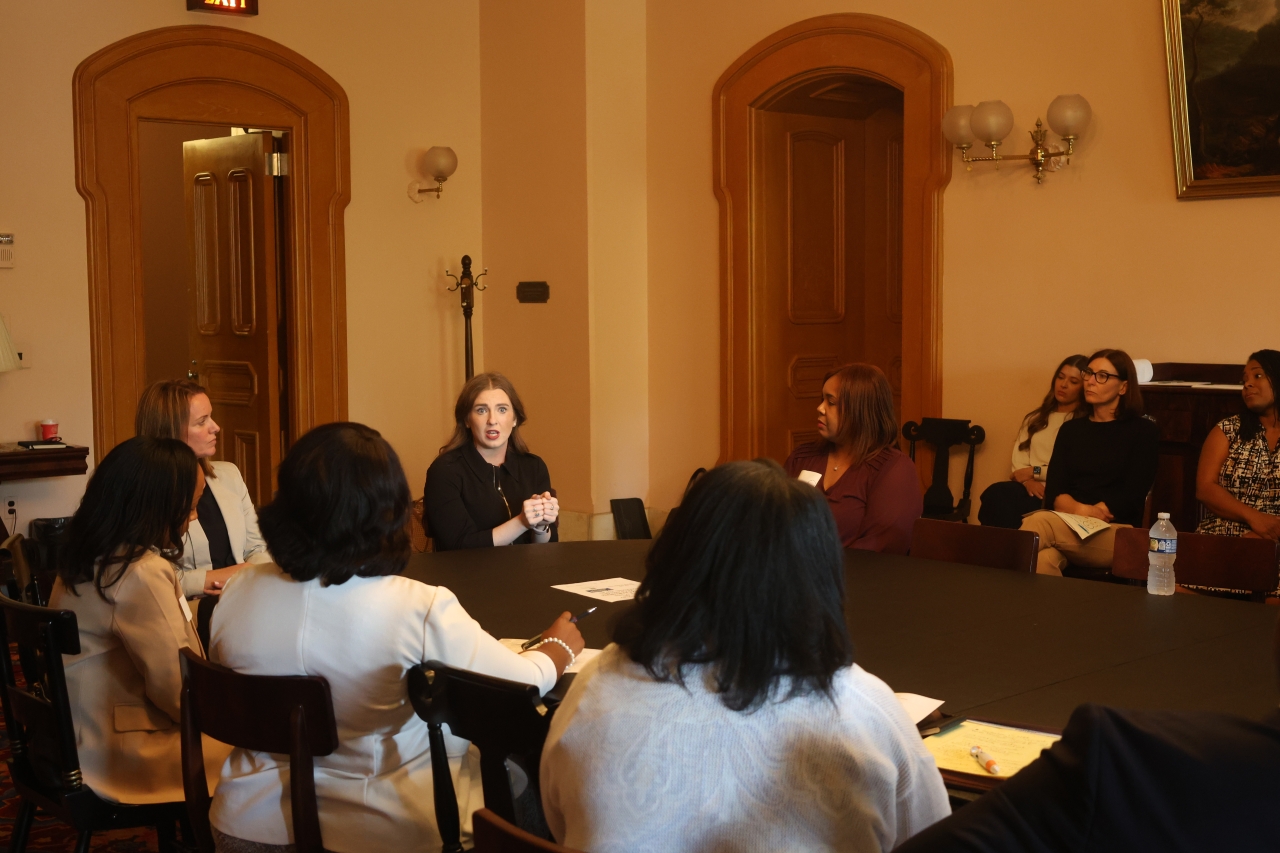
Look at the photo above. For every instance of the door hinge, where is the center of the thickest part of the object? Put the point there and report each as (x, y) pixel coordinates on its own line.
(277, 164)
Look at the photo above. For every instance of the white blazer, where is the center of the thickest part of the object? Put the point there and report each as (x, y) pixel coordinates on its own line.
(247, 544)
(375, 790)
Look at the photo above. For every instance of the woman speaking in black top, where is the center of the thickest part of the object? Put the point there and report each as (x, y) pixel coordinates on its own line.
(1102, 467)
(486, 488)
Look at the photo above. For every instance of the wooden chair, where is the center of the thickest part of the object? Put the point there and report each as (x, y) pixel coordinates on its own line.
(976, 545)
(504, 719)
(419, 539)
(1225, 562)
(44, 763)
(629, 518)
(495, 835)
(17, 577)
(943, 434)
(286, 714)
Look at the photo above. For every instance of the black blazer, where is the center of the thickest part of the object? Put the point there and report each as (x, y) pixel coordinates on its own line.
(1130, 781)
(462, 503)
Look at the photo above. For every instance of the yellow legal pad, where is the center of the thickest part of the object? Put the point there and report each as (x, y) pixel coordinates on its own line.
(1013, 749)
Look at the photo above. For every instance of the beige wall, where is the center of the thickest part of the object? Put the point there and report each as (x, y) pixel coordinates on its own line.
(1030, 274)
(411, 72)
(533, 124)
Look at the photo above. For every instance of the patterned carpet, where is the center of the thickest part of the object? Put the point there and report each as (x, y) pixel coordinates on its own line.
(50, 834)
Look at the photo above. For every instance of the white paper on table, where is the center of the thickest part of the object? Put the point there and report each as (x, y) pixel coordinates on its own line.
(917, 707)
(609, 589)
(584, 657)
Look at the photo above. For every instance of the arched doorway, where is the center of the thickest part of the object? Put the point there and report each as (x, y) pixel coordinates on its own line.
(875, 66)
(205, 75)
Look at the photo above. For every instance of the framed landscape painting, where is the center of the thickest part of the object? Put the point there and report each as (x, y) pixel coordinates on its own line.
(1224, 91)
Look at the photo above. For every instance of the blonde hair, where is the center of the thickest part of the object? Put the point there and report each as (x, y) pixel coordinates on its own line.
(867, 423)
(164, 411)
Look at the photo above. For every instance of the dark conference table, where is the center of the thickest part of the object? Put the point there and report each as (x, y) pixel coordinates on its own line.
(994, 644)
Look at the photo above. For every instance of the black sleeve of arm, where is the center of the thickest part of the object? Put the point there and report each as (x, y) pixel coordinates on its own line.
(1059, 480)
(448, 522)
(1141, 472)
(542, 483)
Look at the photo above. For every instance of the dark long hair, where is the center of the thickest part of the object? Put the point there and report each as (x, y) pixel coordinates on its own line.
(867, 423)
(1269, 359)
(467, 399)
(138, 498)
(1037, 419)
(342, 508)
(1131, 405)
(747, 577)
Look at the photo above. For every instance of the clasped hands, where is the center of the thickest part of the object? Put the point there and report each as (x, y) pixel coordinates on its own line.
(539, 512)
(216, 579)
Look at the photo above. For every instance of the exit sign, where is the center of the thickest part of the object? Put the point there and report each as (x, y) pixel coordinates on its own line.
(226, 7)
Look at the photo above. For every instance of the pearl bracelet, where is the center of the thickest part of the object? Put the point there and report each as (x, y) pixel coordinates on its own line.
(562, 644)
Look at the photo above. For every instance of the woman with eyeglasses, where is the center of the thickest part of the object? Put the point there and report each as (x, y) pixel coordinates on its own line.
(486, 489)
(1004, 504)
(1102, 467)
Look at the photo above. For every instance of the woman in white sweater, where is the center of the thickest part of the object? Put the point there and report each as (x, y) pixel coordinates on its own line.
(1003, 504)
(728, 714)
(335, 607)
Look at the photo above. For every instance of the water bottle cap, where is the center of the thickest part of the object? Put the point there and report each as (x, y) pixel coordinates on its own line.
(1163, 516)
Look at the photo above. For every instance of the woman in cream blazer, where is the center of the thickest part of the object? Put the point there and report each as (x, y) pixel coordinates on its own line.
(335, 607)
(181, 409)
(117, 577)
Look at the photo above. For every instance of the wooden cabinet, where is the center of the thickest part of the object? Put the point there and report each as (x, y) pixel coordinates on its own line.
(1185, 415)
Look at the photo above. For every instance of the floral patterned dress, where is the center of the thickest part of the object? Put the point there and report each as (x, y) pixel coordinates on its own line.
(1251, 473)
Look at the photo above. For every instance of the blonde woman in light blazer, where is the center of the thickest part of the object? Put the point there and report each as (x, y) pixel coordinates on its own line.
(116, 576)
(181, 409)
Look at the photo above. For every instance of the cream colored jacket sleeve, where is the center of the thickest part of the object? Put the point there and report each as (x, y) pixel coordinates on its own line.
(232, 495)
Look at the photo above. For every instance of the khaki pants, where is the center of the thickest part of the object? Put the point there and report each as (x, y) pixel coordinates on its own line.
(1059, 544)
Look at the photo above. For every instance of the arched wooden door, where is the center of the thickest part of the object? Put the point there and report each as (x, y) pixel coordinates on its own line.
(212, 75)
(839, 48)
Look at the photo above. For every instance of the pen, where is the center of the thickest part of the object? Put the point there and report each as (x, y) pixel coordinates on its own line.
(984, 758)
(532, 641)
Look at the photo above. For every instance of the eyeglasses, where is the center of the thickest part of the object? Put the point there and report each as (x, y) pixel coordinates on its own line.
(1101, 376)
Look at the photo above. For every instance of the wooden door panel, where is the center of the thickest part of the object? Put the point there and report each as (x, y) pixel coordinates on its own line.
(811, 210)
(232, 229)
(882, 341)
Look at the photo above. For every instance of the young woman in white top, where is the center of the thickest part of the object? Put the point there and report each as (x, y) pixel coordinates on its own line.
(1004, 504)
(335, 606)
(728, 714)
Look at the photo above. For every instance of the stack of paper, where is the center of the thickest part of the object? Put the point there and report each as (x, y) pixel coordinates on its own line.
(1013, 749)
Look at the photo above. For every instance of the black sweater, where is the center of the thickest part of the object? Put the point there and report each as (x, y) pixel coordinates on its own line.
(1110, 461)
(463, 504)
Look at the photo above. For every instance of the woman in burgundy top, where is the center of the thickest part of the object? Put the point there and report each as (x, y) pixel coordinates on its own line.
(871, 485)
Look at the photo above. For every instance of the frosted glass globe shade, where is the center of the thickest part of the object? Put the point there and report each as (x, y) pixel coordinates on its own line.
(991, 121)
(440, 162)
(1069, 115)
(955, 125)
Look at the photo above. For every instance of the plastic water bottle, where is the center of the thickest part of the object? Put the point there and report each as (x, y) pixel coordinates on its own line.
(1161, 553)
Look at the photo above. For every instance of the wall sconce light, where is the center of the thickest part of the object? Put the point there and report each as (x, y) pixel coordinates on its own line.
(439, 163)
(990, 122)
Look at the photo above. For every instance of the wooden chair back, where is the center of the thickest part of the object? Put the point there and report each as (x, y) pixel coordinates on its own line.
(629, 518)
(943, 434)
(1225, 562)
(492, 834)
(285, 714)
(37, 714)
(15, 572)
(976, 545)
(504, 719)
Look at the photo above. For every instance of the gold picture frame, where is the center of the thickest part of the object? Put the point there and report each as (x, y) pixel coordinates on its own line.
(1226, 170)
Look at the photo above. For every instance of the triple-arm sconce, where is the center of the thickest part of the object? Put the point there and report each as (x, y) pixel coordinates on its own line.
(990, 122)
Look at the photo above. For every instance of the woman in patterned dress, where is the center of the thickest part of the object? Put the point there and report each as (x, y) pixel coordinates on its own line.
(1238, 479)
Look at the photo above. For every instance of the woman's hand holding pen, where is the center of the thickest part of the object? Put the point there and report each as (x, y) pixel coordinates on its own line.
(566, 632)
